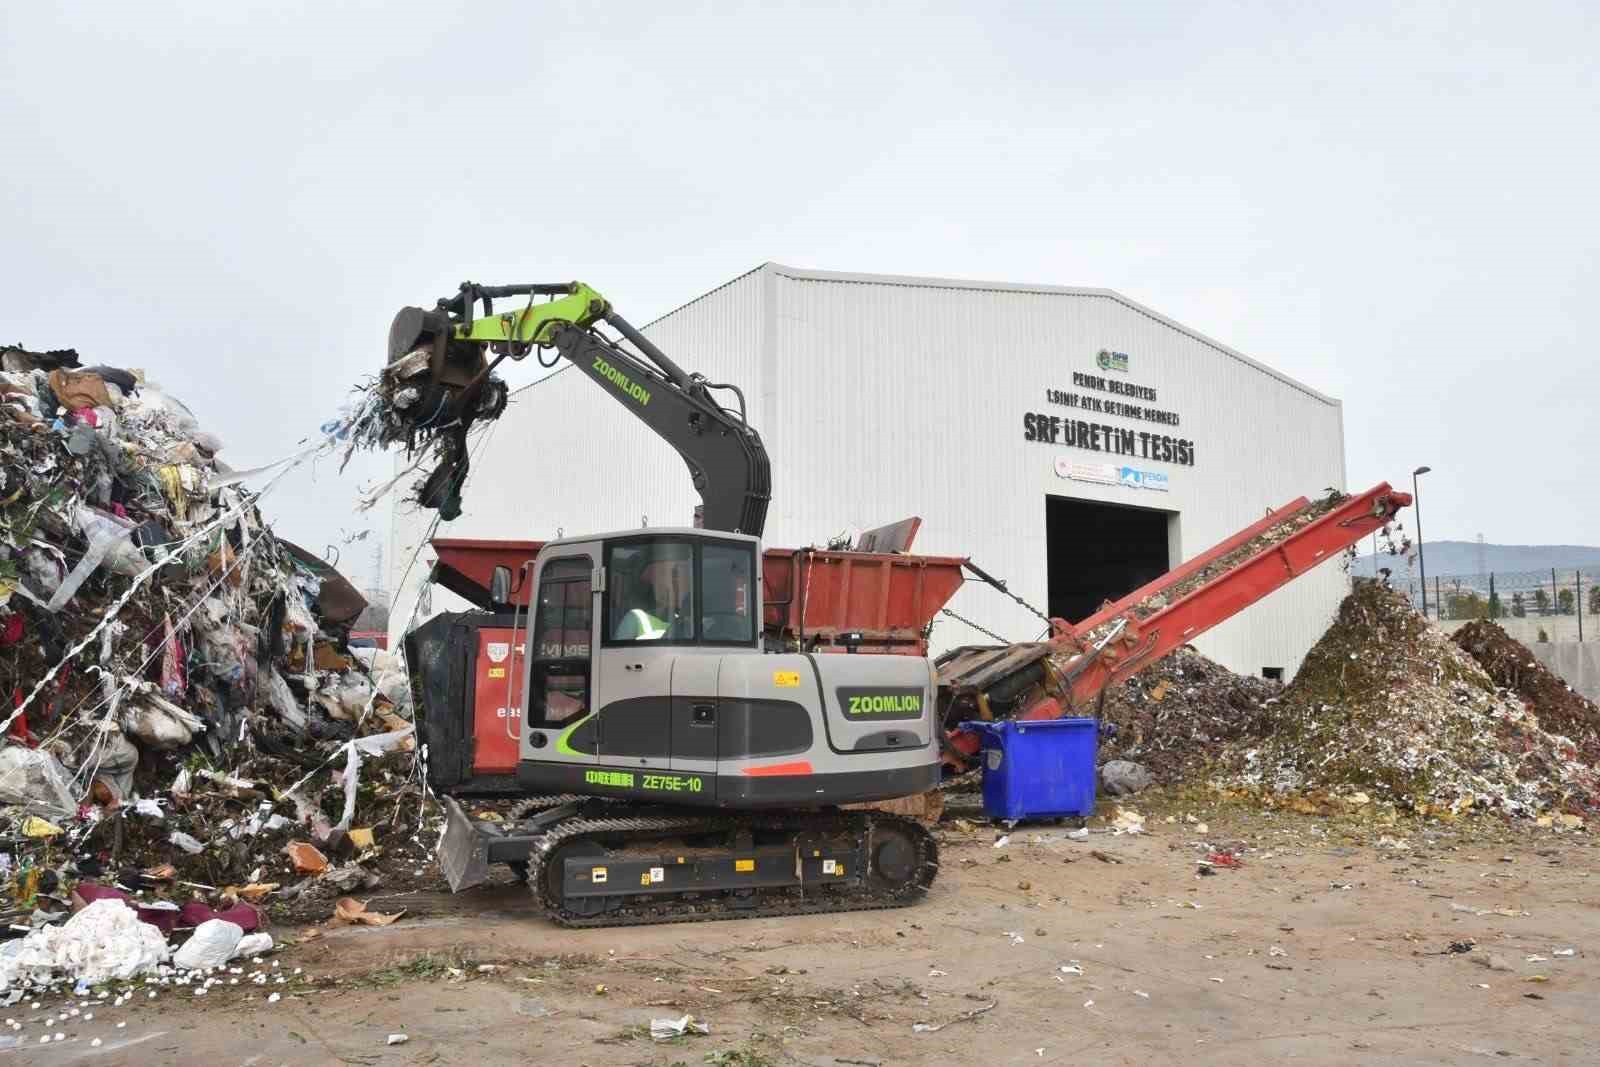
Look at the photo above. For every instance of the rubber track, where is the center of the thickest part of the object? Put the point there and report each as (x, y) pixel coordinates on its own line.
(529, 805)
(715, 908)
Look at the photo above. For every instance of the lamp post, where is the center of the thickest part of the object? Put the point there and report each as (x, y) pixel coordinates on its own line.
(1416, 502)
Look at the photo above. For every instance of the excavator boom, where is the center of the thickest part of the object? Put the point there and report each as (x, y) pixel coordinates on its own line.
(444, 355)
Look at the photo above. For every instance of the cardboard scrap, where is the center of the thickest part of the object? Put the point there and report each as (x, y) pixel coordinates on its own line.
(350, 910)
(306, 858)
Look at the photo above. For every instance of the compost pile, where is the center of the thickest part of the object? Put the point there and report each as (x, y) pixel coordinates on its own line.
(1387, 705)
(1558, 709)
(185, 706)
(1176, 717)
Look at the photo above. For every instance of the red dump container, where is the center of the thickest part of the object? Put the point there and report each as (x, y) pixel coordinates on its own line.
(819, 599)
(815, 599)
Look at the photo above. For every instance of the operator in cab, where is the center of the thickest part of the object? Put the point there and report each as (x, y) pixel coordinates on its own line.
(657, 604)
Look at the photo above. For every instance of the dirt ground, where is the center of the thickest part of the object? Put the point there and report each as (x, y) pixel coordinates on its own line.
(1331, 944)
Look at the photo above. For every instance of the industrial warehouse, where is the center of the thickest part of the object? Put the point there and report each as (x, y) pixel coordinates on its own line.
(1070, 441)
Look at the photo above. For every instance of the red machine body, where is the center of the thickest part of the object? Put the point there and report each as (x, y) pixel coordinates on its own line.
(497, 700)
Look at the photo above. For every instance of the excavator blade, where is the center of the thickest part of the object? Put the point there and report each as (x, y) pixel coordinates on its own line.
(463, 852)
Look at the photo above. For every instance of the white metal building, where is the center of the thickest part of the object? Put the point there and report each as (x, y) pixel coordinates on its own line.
(1070, 441)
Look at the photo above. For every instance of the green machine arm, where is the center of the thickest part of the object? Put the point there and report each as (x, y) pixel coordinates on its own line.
(727, 462)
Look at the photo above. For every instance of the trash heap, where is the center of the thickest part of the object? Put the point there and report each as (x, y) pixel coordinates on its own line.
(1387, 706)
(1176, 716)
(184, 698)
(1558, 708)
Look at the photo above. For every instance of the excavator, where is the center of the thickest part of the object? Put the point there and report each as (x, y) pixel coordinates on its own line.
(671, 767)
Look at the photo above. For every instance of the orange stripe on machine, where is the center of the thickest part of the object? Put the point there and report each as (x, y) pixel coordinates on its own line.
(800, 767)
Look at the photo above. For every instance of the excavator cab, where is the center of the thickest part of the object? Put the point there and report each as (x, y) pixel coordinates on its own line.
(647, 679)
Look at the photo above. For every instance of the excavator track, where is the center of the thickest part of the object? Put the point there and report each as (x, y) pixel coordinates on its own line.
(606, 840)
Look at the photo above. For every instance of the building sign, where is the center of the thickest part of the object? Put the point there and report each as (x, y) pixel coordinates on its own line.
(1111, 474)
(1109, 360)
(1094, 396)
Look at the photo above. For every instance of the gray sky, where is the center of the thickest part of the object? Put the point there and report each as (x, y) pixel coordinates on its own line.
(1394, 205)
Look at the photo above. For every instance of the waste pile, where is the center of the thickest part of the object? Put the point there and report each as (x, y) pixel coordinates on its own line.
(1176, 716)
(1513, 667)
(184, 699)
(1388, 707)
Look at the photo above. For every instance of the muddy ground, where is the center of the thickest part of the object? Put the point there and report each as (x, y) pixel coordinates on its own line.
(1329, 945)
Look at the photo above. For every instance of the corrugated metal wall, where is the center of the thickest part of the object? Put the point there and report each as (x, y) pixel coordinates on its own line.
(881, 398)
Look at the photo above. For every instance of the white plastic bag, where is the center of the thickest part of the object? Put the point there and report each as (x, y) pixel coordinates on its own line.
(155, 726)
(252, 945)
(281, 699)
(212, 945)
(109, 542)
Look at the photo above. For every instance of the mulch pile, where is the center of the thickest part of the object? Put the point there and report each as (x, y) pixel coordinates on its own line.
(1512, 666)
(1176, 716)
(1386, 704)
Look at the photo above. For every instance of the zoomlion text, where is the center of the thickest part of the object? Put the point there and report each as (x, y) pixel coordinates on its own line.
(621, 381)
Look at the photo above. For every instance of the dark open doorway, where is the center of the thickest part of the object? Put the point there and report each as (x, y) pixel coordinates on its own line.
(1100, 552)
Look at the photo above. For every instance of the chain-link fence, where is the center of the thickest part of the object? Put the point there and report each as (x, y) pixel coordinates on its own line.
(1567, 596)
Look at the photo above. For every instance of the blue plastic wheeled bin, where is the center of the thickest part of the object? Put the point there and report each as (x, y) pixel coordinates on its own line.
(1038, 769)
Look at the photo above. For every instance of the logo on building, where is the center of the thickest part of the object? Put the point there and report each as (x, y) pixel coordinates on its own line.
(1109, 360)
(1111, 474)
(1138, 479)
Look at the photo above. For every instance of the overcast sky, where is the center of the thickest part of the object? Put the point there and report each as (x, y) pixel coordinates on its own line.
(1395, 205)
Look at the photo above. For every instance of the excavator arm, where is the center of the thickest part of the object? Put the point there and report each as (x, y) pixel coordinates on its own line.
(445, 351)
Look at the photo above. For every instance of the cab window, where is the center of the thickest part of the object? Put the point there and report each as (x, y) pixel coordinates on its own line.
(558, 689)
(679, 590)
(725, 616)
(651, 594)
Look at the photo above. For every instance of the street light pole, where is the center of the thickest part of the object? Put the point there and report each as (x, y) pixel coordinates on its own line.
(1416, 502)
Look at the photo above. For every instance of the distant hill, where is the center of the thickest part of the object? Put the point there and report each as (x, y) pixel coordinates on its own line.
(1445, 558)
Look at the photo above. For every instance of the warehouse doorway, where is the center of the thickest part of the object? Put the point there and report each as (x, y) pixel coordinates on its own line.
(1101, 552)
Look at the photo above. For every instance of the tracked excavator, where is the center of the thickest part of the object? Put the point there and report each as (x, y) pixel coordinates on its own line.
(671, 767)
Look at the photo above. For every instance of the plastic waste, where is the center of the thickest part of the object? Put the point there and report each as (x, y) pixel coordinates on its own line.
(119, 757)
(103, 942)
(109, 540)
(34, 780)
(187, 843)
(212, 945)
(42, 571)
(252, 945)
(282, 701)
(667, 1029)
(1124, 777)
(156, 726)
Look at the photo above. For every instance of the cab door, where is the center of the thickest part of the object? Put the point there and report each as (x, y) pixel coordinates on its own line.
(647, 621)
(559, 725)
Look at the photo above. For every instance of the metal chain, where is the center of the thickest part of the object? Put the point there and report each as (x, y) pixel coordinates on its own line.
(975, 626)
(1000, 584)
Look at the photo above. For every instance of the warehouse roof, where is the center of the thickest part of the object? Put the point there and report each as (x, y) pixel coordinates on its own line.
(914, 281)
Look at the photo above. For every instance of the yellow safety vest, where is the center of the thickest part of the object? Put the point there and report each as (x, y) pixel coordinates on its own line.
(640, 625)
